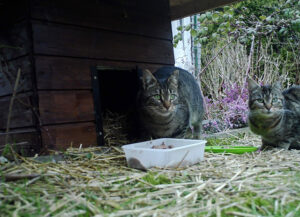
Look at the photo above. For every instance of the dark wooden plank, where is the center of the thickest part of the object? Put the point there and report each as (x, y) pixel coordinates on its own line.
(7, 79)
(54, 39)
(74, 73)
(24, 141)
(142, 17)
(65, 106)
(21, 116)
(12, 11)
(61, 137)
(16, 41)
(62, 73)
(180, 9)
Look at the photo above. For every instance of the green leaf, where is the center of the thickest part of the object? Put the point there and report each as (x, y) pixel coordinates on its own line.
(270, 19)
(209, 15)
(188, 27)
(196, 42)
(210, 27)
(202, 18)
(231, 12)
(262, 17)
(193, 33)
(215, 35)
(203, 31)
(179, 28)
(250, 31)
(215, 15)
(226, 8)
(203, 40)
(296, 25)
(282, 31)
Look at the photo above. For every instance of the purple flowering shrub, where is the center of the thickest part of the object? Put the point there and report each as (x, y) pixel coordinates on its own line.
(229, 110)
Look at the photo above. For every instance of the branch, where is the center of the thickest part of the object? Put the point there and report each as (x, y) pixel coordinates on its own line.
(15, 177)
(250, 56)
(10, 111)
(219, 52)
(12, 101)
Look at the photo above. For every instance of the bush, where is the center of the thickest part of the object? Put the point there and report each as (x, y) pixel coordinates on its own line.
(225, 88)
(229, 110)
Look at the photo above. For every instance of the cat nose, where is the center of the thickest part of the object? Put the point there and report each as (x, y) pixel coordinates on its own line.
(268, 106)
(167, 105)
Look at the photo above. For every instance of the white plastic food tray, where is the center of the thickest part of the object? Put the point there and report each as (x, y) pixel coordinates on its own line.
(185, 152)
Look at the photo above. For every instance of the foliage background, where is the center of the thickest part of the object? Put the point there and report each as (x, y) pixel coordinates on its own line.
(226, 35)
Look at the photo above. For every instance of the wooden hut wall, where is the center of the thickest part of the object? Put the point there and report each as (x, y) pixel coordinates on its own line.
(15, 35)
(67, 37)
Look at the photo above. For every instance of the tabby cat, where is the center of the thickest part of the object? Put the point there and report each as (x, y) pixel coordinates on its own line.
(169, 102)
(275, 115)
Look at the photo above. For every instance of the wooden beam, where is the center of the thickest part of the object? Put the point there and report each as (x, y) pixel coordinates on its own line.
(184, 8)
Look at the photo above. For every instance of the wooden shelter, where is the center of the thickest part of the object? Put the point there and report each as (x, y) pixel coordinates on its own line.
(56, 43)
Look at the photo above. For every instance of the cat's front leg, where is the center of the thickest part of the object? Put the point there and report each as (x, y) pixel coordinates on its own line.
(265, 146)
(284, 145)
(197, 131)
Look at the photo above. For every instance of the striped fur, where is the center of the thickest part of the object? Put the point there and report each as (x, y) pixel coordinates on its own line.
(169, 102)
(275, 115)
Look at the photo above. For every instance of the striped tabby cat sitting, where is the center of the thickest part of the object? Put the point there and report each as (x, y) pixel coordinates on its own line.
(169, 102)
(275, 115)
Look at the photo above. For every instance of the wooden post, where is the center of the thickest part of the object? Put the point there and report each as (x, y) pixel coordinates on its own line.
(97, 105)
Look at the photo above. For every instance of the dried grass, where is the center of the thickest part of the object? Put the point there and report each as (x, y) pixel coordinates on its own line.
(231, 68)
(97, 181)
(114, 125)
(119, 128)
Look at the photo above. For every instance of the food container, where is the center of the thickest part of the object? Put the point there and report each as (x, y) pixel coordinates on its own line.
(184, 152)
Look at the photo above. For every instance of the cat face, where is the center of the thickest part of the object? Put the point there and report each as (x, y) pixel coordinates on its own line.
(265, 100)
(160, 97)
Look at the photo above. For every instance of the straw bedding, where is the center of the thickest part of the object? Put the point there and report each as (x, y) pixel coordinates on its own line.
(97, 181)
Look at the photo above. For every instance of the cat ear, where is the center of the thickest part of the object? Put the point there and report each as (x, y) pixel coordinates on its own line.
(173, 79)
(148, 79)
(252, 84)
(277, 85)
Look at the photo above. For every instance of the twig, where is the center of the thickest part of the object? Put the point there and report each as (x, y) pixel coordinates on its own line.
(12, 102)
(9, 114)
(234, 213)
(15, 177)
(182, 160)
(230, 180)
(250, 55)
(219, 52)
(249, 60)
(28, 105)
(8, 46)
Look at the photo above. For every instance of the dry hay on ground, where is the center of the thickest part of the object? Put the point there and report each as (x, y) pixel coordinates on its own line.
(97, 181)
(114, 125)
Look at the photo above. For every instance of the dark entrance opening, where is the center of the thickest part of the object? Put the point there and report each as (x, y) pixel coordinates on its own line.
(115, 91)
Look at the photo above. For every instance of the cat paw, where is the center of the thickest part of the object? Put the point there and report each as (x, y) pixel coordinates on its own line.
(284, 146)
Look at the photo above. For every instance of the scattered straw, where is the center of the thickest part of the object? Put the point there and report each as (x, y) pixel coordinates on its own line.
(115, 127)
(97, 181)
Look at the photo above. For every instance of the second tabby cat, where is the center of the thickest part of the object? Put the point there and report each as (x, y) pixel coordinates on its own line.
(275, 115)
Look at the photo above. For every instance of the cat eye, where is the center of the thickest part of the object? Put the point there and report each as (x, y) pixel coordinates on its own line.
(173, 96)
(260, 100)
(157, 97)
(275, 100)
